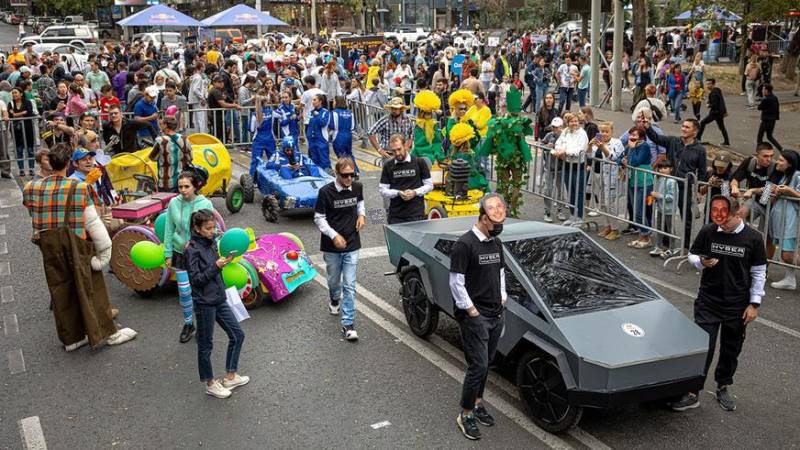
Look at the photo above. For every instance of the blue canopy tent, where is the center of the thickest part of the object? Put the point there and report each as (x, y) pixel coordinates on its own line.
(159, 16)
(241, 15)
(718, 14)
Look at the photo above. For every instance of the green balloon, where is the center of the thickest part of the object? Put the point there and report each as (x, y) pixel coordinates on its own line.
(147, 255)
(234, 275)
(160, 226)
(235, 240)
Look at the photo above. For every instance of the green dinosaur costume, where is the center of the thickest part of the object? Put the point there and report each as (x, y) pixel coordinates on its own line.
(428, 148)
(506, 140)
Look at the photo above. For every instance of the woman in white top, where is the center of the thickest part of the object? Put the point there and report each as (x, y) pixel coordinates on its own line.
(698, 68)
(606, 151)
(487, 71)
(571, 147)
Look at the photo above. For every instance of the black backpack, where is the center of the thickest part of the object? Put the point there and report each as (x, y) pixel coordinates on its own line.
(656, 112)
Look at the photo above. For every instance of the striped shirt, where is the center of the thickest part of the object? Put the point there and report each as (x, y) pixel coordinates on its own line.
(47, 202)
(387, 126)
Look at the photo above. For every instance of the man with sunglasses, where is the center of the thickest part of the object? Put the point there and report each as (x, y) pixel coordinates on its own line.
(340, 215)
(477, 283)
(126, 131)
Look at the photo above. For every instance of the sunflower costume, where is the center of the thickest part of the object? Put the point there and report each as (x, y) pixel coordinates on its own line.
(427, 135)
(505, 139)
(461, 137)
(460, 97)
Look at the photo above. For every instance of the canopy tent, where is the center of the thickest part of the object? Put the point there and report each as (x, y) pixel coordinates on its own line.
(718, 14)
(159, 16)
(241, 15)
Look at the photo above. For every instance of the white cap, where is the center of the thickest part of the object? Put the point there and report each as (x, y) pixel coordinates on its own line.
(152, 91)
(557, 122)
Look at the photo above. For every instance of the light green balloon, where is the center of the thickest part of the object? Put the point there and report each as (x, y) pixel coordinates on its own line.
(160, 226)
(234, 274)
(147, 255)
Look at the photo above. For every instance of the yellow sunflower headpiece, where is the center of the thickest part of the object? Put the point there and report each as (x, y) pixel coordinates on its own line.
(461, 133)
(461, 96)
(427, 101)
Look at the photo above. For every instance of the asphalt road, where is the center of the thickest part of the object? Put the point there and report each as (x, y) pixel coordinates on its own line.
(310, 389)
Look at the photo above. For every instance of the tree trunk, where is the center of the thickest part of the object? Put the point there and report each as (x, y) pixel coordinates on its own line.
(743, 30)
(639, 25)
(790, 60)
(464, 14)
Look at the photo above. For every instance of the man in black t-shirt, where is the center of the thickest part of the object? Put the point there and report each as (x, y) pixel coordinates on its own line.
(755, 171)
(216, 101)
(477, 283)
(340, 215)
(405, 180)
(733, 262)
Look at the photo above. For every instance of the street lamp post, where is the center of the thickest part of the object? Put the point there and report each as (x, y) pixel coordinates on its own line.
(314, 17)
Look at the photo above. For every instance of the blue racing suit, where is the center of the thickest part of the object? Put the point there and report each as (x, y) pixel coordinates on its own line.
(342, 126)
(317, 137)
(289, 123)
(264, 140)
(280, 162)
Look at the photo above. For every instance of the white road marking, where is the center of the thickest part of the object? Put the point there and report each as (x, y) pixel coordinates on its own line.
(10, 325)
(5, 268)
(16, 362)
(6, 294)
(456, 373)
(3, 248)
(2, 229)
(4, 216)
(378, 425)
(30, 430)
(693, 295)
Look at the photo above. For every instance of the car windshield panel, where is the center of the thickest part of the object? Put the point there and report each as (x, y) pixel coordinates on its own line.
(172, 39)
(574, 276)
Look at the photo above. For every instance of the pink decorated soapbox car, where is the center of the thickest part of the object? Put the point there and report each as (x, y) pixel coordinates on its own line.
(276, 264)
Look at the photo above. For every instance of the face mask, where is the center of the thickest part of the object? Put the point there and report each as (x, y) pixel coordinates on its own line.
(496, 229)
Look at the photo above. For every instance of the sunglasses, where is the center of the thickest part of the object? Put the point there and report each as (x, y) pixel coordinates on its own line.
(347, 175)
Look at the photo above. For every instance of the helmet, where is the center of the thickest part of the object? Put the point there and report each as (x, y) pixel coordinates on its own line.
(287, 141)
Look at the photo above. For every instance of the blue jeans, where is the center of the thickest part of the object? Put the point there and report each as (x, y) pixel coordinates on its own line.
(583, 94)
(341, 269)
(564, 96)
(675, 101)
(205, 316)
(541, 91)
(232, 122)
(576, 177)
(24, 153)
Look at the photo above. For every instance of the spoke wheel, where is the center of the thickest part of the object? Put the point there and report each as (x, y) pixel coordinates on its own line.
(422, 315)
(544, 393)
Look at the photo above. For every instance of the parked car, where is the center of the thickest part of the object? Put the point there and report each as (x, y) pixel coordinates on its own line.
(276, 36)
(15, 19)
(223, 35)
(406, 34)
(80, 54)
(171, 39)
(77, 35)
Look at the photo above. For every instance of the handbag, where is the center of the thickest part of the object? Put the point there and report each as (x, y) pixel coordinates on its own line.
(234, 302)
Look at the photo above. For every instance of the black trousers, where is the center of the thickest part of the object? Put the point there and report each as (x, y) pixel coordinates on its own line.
(731, 338)
(714, 117)
(768, 127)
(479, 337)
(395, 219)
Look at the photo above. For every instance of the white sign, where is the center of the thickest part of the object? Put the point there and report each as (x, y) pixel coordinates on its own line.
(493, 41)
(633, 329)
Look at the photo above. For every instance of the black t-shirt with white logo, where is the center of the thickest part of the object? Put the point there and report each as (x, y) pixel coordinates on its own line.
(341, 212)
(480, 262)
(755, 179)
(402, 175)
(725, 288)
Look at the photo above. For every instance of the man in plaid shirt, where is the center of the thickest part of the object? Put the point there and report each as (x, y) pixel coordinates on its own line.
(70, 234)
(396, 122)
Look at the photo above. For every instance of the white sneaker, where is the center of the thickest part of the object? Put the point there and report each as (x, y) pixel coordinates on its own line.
(788, 283)
(216, 389)
(561, 216)
(77, 345)
(568, 222)
(577, 223)
(349, 333)
(593, 214)
(547, 218)
(237, 381)
(122, 336)
(334, 309)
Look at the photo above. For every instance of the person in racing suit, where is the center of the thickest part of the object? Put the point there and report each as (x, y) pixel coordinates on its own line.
(317, 133)
(262, 124)
(290, 163)
(342, 126)
(289, 119)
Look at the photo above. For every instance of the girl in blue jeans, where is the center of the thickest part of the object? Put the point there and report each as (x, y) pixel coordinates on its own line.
(208, 292)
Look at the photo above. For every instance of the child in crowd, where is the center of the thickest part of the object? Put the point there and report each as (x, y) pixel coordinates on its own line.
(75, 105)
(665, 196)
(208, 294)
(107, 100)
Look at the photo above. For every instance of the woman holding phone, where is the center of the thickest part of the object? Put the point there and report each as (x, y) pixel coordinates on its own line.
(176, 236)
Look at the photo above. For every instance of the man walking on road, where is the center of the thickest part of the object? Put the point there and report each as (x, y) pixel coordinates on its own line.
(69, 233)
(405, 180)
(770, 109)
(716, 111)
(733, 262)
(477, 283)
(340, 215)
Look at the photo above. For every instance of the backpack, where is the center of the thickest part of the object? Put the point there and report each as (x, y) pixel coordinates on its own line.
(657, 114)
(751, 167)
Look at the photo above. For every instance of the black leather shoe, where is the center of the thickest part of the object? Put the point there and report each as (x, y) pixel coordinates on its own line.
(187, 333)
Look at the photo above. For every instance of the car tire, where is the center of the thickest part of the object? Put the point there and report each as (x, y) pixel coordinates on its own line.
(248, 187)
(234, 198)
(270, 208)
(253, 300)
(422, 316)
(437, 212)
(544, 393)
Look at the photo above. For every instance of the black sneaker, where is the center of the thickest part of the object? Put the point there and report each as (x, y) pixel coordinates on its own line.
(725, 399)
(349, 333)
(629, 231)
(483, 415)
(187, 332)
(688, 401)
(468, 426)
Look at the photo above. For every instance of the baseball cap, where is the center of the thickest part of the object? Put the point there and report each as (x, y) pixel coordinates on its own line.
(152, 91)
(81, 153)
(557, 122)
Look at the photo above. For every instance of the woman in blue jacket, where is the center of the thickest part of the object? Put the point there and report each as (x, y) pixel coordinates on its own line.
(262, 123)
(208, 293)
(676, 86)
(640, 184)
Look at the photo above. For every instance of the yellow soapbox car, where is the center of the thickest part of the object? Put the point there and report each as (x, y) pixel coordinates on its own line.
(451, 196)
(134, 175)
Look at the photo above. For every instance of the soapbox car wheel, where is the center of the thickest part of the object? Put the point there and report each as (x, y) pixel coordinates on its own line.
(542, 389)
(248, 188)
(437, 212)
(270, 208)
(252, 299)
(422, 315)
(234, 198)
(143, 282)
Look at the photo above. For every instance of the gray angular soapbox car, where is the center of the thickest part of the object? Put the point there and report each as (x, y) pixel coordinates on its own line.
(581, 329)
